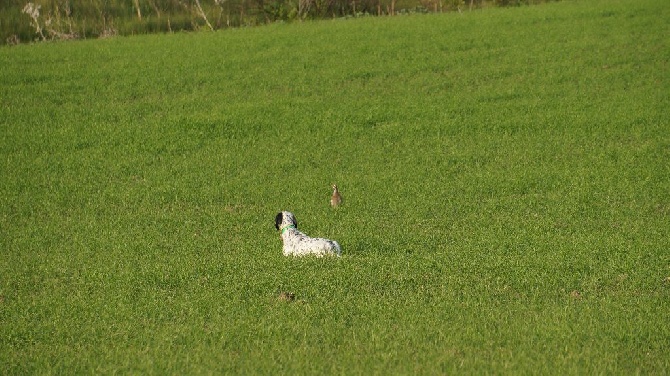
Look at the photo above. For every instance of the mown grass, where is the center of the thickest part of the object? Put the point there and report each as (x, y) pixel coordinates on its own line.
(505, 176)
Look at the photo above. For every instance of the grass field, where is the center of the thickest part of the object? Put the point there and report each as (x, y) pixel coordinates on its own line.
(505, 172)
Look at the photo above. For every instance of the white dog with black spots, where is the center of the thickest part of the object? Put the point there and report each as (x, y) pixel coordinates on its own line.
(298, 244)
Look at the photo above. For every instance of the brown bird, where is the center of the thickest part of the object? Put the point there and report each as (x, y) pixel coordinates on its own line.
(336, 198)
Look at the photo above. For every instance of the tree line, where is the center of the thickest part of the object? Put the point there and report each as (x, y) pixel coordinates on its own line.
(42, 20)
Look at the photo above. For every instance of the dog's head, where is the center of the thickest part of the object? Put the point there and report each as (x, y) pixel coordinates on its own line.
(285, 219)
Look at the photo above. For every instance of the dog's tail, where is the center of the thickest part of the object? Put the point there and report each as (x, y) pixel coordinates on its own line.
(338, 250)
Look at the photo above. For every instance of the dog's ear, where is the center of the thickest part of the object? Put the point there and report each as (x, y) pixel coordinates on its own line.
(278, 220)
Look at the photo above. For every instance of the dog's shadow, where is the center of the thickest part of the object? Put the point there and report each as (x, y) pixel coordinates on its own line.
(368, 246)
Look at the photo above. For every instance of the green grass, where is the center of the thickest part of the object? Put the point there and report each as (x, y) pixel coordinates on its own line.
(494, 164)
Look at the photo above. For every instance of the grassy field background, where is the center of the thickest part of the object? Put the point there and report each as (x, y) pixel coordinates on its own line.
(506, 180)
